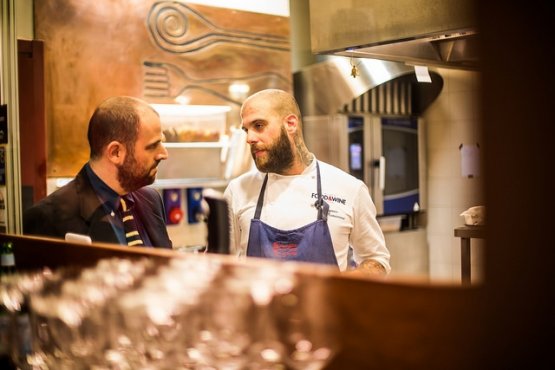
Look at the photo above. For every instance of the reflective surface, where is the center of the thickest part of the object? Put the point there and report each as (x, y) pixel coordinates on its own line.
(185, 314)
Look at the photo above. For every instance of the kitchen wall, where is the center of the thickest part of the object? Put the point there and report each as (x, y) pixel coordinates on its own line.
(23, 14)
(452, 120)
(162, 51)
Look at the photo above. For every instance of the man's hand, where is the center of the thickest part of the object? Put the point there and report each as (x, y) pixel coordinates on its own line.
(369, 267)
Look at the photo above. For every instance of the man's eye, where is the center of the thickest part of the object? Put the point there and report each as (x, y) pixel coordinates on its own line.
(154, 145)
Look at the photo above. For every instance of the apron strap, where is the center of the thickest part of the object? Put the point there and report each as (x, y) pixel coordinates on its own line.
(320, 204)
(260, 199)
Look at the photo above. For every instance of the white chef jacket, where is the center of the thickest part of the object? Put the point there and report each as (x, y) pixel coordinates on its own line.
(289, 204)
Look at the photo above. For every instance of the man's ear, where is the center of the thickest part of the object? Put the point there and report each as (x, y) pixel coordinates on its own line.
(291, 123)
(116, 151)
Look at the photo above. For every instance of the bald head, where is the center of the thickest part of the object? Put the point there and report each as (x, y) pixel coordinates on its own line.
(280, 102)
(116, 119)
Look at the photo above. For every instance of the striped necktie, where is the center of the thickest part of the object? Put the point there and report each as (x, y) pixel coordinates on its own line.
(131, 233)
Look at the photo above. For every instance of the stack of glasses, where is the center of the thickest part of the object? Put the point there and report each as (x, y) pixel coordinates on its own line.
(190, 313)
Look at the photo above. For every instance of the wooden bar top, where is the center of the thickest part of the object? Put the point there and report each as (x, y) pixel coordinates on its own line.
(378, 322)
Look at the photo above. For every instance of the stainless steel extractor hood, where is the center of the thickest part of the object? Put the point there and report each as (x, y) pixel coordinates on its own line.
(417, 32)
(325, 87)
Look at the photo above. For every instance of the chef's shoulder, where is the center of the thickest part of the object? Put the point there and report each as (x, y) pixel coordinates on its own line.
(247, 180)
(338, 176)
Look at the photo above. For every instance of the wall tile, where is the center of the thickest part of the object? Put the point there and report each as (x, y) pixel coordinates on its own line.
(466, 193)
(439, 194)
(438, 111)
(441, 272)
(441, 163)
(464, 132)
(439, 221)
(440, 248)
(460, 80)
(438, 135)
(463, 105)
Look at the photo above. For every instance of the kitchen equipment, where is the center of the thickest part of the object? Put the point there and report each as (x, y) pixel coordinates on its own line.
(386, 152)
(193, 132)
(218, 222)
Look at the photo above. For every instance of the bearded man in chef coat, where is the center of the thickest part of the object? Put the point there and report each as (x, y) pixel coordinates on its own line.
(293, 206)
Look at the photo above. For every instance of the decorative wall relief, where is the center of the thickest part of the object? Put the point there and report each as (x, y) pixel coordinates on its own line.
(162, 51)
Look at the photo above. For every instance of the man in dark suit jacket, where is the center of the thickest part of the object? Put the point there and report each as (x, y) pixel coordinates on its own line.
(125, 139)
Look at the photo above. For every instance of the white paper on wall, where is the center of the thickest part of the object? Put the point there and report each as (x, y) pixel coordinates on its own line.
(470, 160)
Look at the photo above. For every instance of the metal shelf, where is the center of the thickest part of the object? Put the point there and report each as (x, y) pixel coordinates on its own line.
(192, 145)
(189, 183)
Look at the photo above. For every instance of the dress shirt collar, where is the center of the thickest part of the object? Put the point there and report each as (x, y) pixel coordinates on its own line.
(106, 194)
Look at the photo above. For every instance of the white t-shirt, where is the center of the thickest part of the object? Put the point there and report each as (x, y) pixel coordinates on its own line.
(289, 204)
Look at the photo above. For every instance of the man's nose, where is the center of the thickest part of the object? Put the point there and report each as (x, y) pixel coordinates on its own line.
(252, 138)
(163, 154)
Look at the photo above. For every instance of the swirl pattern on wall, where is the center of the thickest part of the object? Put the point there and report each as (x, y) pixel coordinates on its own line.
(178, 28)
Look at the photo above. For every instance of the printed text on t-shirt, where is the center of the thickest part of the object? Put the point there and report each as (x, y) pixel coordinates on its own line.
(330, 198)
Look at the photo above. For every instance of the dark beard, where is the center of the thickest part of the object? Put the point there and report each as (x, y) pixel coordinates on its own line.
(280, 156)
(130, 176)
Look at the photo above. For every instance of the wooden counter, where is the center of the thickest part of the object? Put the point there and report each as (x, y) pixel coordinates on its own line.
(379, 323)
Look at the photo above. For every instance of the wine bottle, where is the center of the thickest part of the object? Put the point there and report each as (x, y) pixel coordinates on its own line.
(7, 267)
(7, 271)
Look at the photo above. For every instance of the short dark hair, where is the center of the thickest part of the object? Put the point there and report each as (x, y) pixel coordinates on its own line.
(115, 119)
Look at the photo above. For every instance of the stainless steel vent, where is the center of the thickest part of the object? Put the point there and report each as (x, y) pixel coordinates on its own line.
(380, 87)
(325, 87)
(417, 32)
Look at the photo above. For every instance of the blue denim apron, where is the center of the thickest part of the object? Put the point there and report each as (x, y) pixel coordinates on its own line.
(310, 243)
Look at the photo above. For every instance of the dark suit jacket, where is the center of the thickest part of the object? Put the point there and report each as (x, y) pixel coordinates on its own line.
(76, 208)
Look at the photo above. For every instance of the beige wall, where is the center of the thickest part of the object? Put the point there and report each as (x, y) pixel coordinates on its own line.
(452, 120)
(24, 19)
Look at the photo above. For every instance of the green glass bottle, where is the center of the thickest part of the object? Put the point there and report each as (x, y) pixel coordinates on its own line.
(7, 260)
(7, 271)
